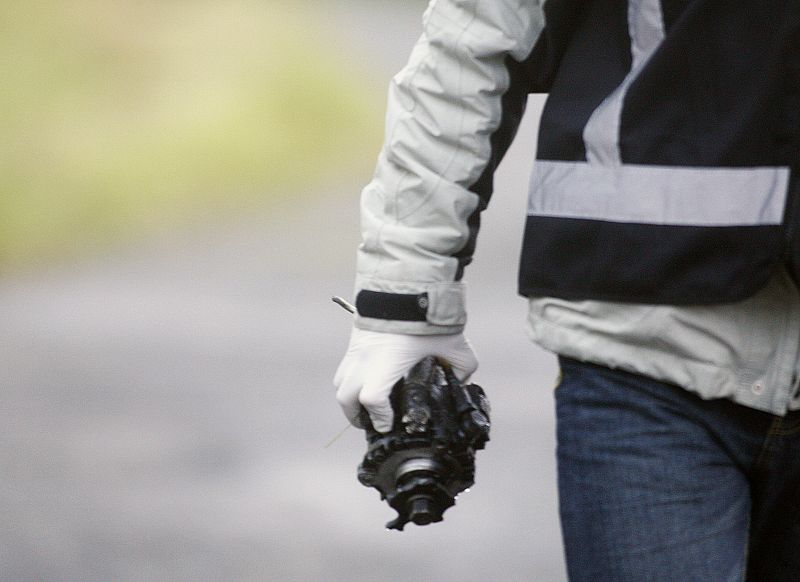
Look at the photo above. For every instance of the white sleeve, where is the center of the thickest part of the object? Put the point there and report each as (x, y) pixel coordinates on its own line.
(419, 213)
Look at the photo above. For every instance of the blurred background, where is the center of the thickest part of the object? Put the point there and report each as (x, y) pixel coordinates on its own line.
(179, 199)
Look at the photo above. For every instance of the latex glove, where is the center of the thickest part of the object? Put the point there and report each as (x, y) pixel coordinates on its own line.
(375, 361)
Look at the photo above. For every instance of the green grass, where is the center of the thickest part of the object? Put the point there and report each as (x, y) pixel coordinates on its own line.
(124, 117)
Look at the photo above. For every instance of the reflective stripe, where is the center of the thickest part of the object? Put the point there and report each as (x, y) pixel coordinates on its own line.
(659, 194)
(601, 134)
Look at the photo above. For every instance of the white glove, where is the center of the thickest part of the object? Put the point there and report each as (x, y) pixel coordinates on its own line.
(375, 361)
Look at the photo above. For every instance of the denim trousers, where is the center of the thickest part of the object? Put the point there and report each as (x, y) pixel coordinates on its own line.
(658, 484)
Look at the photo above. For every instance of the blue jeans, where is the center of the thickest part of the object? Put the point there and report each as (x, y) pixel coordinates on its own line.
(657, 484)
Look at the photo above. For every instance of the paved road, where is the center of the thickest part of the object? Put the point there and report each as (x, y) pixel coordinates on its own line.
(164, 409)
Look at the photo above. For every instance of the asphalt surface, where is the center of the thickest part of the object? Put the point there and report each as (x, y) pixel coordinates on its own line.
(164, 409)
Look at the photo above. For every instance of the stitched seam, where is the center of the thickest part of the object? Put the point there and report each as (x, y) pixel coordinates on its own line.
(765, 457)
(746, 556)
(789, 430)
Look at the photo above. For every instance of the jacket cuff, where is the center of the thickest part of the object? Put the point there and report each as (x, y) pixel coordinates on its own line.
(411, 308)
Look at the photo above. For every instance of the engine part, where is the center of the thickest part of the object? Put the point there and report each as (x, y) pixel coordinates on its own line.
(428, 457)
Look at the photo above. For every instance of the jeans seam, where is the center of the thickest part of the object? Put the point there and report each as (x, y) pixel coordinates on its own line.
(765, 455)
(746, 557)
(790, 430)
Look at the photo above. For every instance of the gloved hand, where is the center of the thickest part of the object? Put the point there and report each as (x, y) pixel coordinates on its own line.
(375, 361)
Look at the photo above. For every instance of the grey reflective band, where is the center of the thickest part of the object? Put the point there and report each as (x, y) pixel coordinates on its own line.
(659, 194)
(601, 134)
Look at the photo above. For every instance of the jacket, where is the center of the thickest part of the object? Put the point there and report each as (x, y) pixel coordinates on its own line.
(665, 162)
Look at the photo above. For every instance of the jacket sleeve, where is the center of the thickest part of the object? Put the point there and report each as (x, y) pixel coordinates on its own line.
(452, 113)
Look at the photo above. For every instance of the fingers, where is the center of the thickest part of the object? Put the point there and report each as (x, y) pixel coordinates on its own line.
(348, 381)
(458, 352)
(463, 360)
(385, 369)
(373, 395)
(376, 400)
(347, 389)
(375, 361)
(368, 382)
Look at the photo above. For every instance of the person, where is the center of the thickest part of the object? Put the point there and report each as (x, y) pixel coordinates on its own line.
(661, 256)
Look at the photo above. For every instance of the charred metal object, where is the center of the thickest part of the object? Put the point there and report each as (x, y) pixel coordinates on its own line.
(428, 458)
